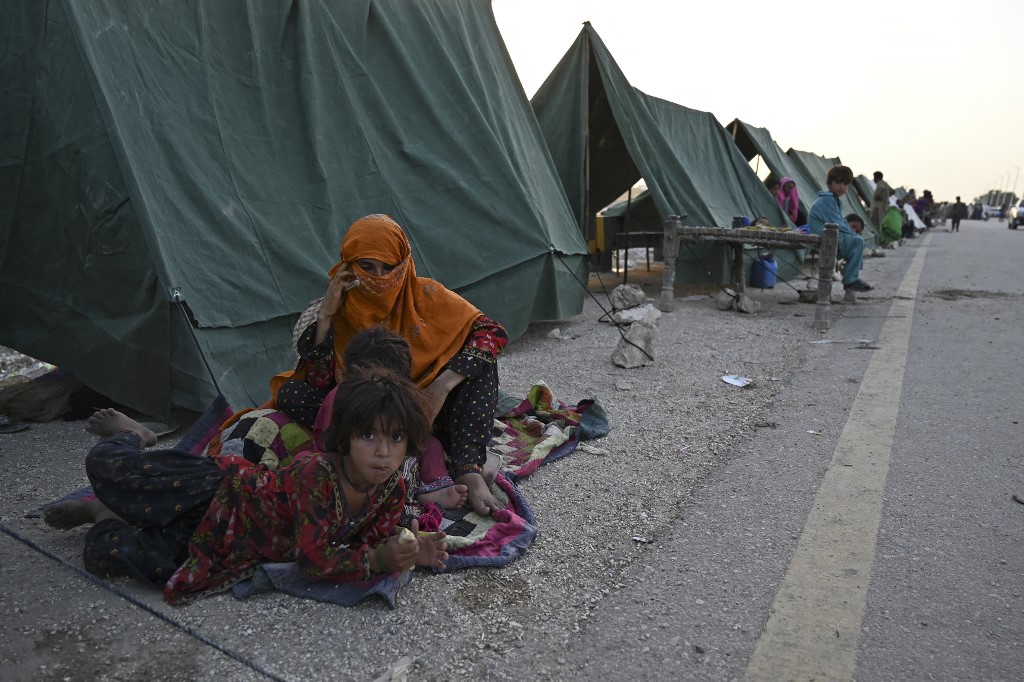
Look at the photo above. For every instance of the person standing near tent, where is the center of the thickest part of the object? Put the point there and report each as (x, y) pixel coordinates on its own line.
(827, 209)
(789, 199)
(880, 199)
(958, 213)
(454, 346)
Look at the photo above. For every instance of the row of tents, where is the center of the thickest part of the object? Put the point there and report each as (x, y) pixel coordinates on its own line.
(176, 178)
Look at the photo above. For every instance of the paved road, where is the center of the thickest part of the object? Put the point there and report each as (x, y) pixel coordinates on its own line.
(872, 535)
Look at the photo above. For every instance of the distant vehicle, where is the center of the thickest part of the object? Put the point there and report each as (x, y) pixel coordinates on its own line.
(988, 211)
(1017, 215)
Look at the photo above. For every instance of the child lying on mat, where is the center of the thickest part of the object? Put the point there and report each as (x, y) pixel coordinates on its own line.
(193, 526)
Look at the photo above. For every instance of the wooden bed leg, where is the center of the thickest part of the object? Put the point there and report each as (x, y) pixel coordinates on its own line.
(737, 268)
(667, 301)
(826, 264)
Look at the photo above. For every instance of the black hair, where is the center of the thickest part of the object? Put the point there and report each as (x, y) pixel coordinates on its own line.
(368, 395)
(378, 347)
(840, 174)
(853, 217)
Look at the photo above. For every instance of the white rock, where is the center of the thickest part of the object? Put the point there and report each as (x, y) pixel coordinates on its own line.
(726, 300)
(748, 305)
(627, 296)
(628, 352)
(646, 312)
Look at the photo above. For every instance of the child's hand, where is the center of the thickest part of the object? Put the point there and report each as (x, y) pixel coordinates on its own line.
(431, 549)
(399, 555)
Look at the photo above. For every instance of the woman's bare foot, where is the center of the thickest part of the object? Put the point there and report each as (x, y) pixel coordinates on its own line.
(480, 498)
(74, 513)
(108, 421)
(451, 497)
(490, 468)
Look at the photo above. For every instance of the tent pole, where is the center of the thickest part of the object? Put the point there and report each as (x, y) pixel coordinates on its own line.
(585, 227)
(625, 233)
(586, 217)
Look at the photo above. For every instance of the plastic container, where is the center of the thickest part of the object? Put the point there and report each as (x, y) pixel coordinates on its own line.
(764, 273)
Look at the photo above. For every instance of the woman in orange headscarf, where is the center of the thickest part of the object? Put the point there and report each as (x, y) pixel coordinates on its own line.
(454, 346)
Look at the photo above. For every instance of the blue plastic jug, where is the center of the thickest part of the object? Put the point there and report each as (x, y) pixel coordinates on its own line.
(764, 272)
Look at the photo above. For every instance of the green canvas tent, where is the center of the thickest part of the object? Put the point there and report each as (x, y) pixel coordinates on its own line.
(605, 135)
(752, 141)
(215, 152)
(816, 165)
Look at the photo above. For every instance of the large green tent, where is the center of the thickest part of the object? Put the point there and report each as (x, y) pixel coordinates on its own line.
(605, 135)
(214, 152)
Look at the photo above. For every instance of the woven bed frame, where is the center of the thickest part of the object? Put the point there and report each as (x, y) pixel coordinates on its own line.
(826, 243)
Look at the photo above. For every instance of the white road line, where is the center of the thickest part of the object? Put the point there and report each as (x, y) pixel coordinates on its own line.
(815, 621)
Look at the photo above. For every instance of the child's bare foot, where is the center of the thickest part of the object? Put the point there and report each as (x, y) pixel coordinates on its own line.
(108, 421)
(74, 513)
(451, 497)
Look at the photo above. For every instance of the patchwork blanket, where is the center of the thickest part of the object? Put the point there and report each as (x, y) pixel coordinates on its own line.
(531, 432)
(542, 429)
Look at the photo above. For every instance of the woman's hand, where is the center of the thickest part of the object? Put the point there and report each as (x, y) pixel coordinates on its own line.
(332, 300)
(336, 289)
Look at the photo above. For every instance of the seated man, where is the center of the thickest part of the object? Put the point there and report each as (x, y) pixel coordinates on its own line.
(908, 224)
(827, 209)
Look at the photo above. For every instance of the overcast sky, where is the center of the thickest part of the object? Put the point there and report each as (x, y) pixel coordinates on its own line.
(930, 93)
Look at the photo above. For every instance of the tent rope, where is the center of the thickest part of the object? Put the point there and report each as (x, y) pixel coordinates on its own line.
(142, 605)
(179, 299)
(607, 313)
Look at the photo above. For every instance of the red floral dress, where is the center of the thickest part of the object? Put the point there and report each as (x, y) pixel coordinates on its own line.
(295, 514)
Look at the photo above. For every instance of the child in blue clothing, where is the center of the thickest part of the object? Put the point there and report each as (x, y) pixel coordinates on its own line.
(827, 208)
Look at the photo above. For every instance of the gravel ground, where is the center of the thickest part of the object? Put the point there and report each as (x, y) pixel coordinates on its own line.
(671, 423)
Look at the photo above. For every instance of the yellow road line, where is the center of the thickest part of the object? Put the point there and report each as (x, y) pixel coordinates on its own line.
(815, 621)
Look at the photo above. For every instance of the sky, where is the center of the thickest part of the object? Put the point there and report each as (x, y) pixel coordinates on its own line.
(929, 93)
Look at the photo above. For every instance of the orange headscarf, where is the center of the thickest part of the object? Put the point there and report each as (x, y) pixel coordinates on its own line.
(434, 320)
